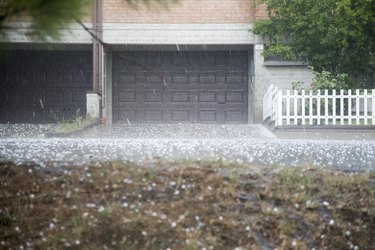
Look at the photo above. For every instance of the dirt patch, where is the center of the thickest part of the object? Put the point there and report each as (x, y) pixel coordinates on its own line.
(185, 205)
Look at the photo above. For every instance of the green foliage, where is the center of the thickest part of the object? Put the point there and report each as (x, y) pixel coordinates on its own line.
(76, 123)
(332, 35)
(323, 80)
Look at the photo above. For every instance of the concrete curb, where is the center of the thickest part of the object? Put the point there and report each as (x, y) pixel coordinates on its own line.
(72, 132)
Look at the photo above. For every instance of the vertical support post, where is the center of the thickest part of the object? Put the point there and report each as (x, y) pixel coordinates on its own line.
(357, 104)
(107, 89)
(373, 106)
(288, 107)
(318, 107)
(295, 96)
(342, 107)
(280, 107)
(365, 96)
(97, 47)
(326, 107)
(311, 107)
(334, 107)
(350, 106)
(303, 100)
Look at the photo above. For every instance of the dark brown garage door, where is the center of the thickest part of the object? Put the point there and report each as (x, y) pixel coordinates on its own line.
(203, 87)
(43, 86)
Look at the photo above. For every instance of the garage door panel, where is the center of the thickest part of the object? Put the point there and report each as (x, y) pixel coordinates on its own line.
(81, 77)
(53, 98)
(153, 115)
(154, 96)
(3, 97)
(44, 84)
(26, 79)
(235, 97)
(180, 115)
(125, 116)
(206, 87)
(234, 115)
(180, 78)
(39, 79)
(180, 97)
(39, 98)
(124, 77)
(158, 79)
(25, 99)
(207, 97)
(207, 116)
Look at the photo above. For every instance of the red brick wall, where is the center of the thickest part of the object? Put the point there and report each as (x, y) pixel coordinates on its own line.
(184, 11)
(261, 12)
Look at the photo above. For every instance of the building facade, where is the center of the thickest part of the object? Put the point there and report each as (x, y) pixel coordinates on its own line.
(190, 61)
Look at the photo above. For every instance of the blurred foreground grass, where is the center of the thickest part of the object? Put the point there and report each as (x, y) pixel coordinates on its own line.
(185, 205)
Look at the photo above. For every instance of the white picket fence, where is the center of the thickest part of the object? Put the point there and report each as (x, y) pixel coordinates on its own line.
(325, 107)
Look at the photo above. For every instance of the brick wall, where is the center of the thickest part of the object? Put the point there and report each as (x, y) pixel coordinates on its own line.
(184, 11)
(261, 12)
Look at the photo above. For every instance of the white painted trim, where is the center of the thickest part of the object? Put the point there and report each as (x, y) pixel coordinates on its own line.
(17, 32)
(190, 34)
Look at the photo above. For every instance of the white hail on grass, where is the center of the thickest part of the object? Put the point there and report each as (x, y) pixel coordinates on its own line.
(294, 243)
(90, 205)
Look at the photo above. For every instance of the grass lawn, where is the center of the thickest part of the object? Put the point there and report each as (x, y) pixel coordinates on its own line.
(185, 205)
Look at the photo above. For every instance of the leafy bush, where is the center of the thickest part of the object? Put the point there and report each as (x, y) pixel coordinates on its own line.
(323, 80)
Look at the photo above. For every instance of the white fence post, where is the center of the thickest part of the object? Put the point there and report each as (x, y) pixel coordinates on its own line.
(326, 107)
(373, 106)
(318, 107)
(311, 107)
(280, 107)
(365, 99)
(334, 107)
(287, 107)
(303, 107)
(295, 95)
(342, 107)
(357, 104)
(350, 96)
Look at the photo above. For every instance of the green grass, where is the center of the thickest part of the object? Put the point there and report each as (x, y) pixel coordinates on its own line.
(186, 205)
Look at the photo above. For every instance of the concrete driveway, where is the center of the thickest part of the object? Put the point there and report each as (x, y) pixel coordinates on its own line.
(250, 144)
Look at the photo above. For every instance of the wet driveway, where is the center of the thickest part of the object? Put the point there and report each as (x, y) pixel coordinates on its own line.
(251, 144)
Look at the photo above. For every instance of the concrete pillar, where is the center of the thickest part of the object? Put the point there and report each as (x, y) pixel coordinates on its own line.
(97, 46)
(260, 82)
(250, 113)
(93, 105)
(107, 89)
